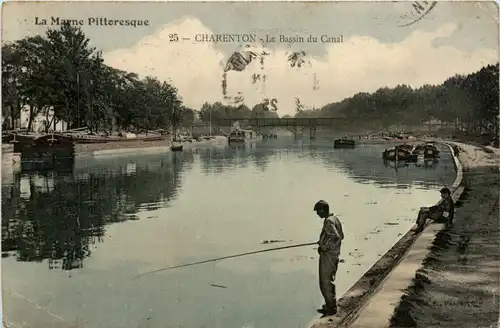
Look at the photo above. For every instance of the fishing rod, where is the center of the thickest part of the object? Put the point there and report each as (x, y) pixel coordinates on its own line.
(226, 257)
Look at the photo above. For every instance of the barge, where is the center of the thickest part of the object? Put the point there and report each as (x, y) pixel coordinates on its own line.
(239, 135)
(344, 143)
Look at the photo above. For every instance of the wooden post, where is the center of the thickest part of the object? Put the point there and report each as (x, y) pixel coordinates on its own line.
(312, 133)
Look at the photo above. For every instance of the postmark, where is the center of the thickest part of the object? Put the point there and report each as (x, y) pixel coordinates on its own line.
(419, 10)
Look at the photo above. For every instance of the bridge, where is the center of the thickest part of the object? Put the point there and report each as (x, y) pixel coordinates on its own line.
(279, 122)
(291, 123)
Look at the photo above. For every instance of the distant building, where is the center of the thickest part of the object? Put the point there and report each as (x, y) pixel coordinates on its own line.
(40, 121)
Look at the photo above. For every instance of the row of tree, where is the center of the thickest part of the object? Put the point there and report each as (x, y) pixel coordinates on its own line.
(218, 113)
(468, 103)
(60, 76)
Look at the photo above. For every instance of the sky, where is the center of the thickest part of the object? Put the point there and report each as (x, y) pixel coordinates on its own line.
(453, 38)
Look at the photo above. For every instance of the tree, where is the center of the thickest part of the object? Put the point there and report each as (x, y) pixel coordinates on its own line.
(60, 73)
(11, 85)
(465, 101)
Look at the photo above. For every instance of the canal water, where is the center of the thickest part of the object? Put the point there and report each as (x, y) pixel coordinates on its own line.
(74, 239)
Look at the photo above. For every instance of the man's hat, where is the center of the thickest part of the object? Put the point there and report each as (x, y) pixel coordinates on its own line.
(321, 205)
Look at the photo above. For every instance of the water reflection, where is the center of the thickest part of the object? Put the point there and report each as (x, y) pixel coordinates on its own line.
(220, 160)
(56, 216)
(193, 206)
(364, 164)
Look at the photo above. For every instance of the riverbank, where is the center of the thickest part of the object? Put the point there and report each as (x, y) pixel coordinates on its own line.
(44, 149)
(447, 278)
(140, 147)
(458, 283)
(361, 293)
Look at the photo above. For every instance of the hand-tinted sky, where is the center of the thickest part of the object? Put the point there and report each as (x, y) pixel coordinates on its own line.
(455, 37)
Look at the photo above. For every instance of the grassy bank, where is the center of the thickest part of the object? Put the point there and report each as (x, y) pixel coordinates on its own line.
(458, 283)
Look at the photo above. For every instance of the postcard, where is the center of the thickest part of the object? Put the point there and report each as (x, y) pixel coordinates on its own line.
(250, 164)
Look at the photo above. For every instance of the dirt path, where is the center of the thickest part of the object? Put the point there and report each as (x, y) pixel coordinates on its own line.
(459, 283)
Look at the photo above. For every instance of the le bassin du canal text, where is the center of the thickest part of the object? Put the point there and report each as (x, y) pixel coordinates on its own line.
(205, 37)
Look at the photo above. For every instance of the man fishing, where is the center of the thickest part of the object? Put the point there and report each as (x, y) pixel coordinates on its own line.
(444, 211)
(330, 242)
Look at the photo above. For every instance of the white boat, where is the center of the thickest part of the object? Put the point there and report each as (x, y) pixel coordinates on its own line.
(239, 135)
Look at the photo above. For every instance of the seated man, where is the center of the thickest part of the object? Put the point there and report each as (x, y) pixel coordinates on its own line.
(444, 211)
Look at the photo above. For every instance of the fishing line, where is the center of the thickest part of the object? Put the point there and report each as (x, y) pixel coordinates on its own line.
(225, 257)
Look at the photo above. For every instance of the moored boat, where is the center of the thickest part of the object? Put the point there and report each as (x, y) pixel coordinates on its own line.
(177, 140)
(397, 154)
(35, 139)
(121, 137)
(406, 147)
(176, 147)
(344, 143)
(427, 150)
(431, 152)
(239, 135)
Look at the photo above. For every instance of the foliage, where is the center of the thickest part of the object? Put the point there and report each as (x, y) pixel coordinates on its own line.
(60, 73)
(470, 102)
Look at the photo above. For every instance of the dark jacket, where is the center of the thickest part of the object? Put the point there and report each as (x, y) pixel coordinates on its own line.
(445, 209)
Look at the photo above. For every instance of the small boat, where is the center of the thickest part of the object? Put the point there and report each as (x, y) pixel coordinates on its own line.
(431, 152)
(427, 150)
(176, 147)
(407, 147)
(419, 149)
(398, 154)
(240, 135)
(344, 143)
(270, 136)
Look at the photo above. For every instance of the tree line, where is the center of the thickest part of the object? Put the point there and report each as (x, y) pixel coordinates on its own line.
(61, 77)
(468, 102)
(217, 112)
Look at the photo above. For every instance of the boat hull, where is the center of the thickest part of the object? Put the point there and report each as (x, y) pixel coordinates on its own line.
(176, 148)
(398, 154)
(344, 143)
(241, 140)
(90, 140)
(243, 135)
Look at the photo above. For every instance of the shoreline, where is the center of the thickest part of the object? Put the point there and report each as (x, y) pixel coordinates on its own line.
(85, 150)
(100, 151)
(112, 148)
(457, 284)
(358, 296)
